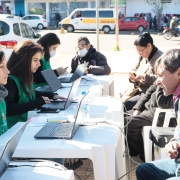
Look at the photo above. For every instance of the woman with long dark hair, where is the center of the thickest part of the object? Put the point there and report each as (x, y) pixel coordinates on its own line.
(23, 62)
(50, 42)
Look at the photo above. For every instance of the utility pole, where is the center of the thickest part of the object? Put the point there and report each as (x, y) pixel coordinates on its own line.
(117, 27)
(97, 23)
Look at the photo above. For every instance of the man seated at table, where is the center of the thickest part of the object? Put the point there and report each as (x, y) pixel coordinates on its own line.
(142, 115)
(97, 62)
(168, 71)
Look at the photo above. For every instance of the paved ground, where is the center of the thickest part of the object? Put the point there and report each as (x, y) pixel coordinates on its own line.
(120, 62)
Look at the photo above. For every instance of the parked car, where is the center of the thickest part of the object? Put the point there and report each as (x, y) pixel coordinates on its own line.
(133, 23)
(13, 31)
(36, 21)
(85, 19)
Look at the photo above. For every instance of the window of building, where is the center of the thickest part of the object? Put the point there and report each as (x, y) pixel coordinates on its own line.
(166, 1)
(104, 14)
(93, 4)
(75, 5)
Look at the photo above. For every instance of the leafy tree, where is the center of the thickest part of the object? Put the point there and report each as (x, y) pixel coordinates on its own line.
(157, 8)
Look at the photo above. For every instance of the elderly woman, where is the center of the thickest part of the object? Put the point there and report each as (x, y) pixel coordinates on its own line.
(143, 72)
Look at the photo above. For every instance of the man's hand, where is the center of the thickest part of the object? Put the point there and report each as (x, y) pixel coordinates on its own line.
(171, 149)
(56, 96)
(140, 76)
(136, 112)
(85, 72)
(61, 70)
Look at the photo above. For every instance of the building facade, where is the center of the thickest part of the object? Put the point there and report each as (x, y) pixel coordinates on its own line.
(141, 6)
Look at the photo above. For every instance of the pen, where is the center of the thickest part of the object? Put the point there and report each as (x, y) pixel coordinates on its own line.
(66, 67)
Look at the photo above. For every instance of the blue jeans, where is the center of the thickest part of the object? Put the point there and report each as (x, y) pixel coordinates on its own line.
(157, 170)
(176, 30)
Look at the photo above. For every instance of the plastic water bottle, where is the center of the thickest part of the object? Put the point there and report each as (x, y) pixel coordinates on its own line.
(86, 111)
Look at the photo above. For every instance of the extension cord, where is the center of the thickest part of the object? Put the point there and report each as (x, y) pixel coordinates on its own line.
(74, 165)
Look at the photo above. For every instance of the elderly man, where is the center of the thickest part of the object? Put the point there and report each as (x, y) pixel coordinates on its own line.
(97, 62)
(168, 71)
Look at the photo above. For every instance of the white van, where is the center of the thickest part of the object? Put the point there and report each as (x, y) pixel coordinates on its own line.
(85, 19)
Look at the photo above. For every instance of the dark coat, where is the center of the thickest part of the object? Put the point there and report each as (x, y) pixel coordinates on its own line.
(153, 98)
(93, 58)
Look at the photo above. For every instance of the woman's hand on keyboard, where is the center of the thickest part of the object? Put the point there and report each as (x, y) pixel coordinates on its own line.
(56, 96)
(46, 100)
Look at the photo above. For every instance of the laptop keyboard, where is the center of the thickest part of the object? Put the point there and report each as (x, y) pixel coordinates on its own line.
(63, 129)
(53, 105)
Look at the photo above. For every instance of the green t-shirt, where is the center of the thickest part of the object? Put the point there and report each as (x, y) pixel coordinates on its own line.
(45, 65)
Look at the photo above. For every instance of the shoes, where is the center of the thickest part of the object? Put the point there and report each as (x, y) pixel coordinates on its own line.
(176, 35)
(141, 156)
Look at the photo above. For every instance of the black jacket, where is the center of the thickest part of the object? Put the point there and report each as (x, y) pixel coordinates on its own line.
(93, 58)
(11, 100)
(153, 98)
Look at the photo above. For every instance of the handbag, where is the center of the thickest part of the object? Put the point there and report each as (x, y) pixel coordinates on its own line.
(130, 92)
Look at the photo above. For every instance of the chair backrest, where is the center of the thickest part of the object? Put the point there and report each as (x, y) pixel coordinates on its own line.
(169, 113)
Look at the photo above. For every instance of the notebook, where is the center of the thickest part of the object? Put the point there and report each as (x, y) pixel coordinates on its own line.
(57, 130)
(52, 81)
(77, 73)
(8, 143)
(63, 104)
(18, 170)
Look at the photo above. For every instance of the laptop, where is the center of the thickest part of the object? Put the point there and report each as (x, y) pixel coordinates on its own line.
(52, 81)
(62, 105)
(20, 170)
(8, 143)
(77, 73)
(57, 130)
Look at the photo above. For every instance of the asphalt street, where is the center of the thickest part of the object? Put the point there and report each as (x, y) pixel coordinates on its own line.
(121, 62)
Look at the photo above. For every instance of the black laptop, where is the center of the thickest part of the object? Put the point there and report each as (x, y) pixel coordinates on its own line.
(62, 105)
(56, 130)
(77, 73)
(52, 81)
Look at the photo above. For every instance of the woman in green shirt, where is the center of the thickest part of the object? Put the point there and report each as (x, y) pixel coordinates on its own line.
(23, 62)
(50, 42)
(3, 92)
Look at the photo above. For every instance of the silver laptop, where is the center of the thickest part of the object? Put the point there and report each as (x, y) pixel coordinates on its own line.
(8, 143)
(62, 105)
(77, 73)
(56, 130)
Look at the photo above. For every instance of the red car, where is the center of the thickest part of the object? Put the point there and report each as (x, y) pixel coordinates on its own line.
(132, 23)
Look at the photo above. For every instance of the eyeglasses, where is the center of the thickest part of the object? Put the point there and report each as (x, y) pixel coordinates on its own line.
(141, 51)
(80, 46)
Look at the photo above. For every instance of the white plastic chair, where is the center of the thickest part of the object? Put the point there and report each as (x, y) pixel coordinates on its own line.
(169, 113)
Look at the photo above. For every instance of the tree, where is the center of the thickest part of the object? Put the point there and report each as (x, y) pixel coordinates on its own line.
(157, 8)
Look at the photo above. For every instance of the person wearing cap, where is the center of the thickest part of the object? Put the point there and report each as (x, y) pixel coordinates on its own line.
(173, 25)
(97, 62)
